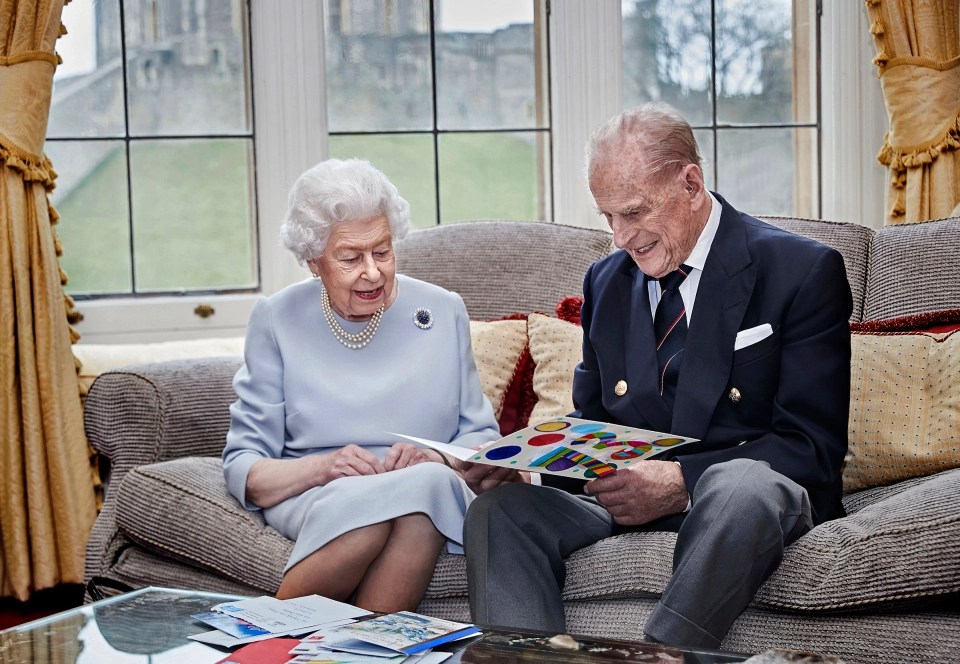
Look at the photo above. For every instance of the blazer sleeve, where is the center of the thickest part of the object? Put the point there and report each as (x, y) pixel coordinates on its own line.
(257, 417)
(807, 439)
(477, 423)
(587, 393)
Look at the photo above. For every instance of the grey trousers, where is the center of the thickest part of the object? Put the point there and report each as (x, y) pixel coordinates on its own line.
(742, 515)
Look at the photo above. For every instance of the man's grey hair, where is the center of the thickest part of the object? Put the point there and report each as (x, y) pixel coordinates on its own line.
(664, 137)
(335, 191)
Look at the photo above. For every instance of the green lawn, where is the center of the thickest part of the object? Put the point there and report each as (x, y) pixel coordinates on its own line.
(483, 176)
(192, 226)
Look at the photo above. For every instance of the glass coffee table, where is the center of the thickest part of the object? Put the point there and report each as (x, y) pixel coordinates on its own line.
(152, 624)
(146, 625)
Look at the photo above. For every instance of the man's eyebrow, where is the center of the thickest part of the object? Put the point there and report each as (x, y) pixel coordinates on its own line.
(634, 208)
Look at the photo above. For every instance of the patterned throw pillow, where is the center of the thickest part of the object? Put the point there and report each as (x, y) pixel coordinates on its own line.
(904, 407)
(556, 349)
(497, 347)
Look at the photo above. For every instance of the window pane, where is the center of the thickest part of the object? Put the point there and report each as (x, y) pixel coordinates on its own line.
(91, 198)
(755, 61)
(487, 65)
(490, 176)
(407, 160)
(705, 143)
(186, 67)
(192, 214)
(666, 55)
(88, 87)
(768, 171)
(378, 65)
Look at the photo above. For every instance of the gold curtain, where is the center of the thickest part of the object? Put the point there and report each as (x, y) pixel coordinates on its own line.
(918, 57)
(46, 494)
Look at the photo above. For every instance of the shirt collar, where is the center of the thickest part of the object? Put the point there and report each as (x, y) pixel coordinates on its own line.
(698, 257)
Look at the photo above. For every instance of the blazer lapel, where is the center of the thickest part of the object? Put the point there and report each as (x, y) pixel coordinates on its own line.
(723, 294)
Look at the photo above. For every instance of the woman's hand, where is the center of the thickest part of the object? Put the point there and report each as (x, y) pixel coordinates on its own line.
(401, 455)
(271, 481)
(350, 461)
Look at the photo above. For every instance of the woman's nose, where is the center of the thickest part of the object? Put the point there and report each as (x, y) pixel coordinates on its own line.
(370, 269)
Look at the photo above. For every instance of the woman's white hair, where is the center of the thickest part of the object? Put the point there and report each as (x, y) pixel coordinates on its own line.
(335, 191)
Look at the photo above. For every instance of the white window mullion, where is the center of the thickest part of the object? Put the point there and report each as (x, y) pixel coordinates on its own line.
(586, 90)
(291, 118)
(854, 118)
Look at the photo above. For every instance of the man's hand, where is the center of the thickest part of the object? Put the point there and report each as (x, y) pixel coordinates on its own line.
(641, 493)
(482, 477)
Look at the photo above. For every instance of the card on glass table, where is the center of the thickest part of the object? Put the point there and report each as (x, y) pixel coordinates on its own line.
(406, 632)
(584, 449)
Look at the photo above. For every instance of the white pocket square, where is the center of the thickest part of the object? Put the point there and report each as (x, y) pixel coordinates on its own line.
(752, 335)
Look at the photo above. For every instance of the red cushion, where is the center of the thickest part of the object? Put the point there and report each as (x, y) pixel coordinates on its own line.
(568, 309)
(934, 321)
(519, 399)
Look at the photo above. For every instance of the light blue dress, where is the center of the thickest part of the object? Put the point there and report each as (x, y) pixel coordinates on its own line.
(301, 392)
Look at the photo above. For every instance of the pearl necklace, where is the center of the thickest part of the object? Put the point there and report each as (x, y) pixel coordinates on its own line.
(351, 341)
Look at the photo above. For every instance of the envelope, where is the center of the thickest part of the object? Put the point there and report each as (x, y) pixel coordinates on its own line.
(752, 335)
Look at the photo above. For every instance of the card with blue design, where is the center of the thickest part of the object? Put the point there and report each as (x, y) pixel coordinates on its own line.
(584, 449)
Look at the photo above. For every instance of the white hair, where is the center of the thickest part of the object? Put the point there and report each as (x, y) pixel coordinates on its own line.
(664, 137)
(335, 191)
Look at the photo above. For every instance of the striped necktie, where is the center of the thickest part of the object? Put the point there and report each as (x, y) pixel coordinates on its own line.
(670, 331)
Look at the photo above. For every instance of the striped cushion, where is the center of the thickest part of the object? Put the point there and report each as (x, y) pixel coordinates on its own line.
(851, 240)
(503, 267)
(181, 509)
(913, 269)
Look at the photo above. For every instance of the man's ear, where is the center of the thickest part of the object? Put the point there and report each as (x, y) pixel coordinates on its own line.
(692, 178)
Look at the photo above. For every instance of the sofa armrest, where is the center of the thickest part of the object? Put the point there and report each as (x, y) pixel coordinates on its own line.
(154, 412)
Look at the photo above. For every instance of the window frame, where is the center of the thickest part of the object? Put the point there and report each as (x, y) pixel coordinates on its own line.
(288, 64)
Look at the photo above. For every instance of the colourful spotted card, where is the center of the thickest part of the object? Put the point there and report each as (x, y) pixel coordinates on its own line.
(569, 446)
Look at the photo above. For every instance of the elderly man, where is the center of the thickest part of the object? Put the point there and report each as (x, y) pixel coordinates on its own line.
(707, 323)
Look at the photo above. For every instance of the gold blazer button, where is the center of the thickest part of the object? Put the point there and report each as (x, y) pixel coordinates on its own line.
(734, 395)
(620, 388)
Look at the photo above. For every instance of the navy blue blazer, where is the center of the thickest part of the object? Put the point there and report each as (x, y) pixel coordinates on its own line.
(794, 385)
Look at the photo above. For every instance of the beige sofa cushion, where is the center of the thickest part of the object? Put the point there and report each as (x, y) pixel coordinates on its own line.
(201, 523)
(904, 407)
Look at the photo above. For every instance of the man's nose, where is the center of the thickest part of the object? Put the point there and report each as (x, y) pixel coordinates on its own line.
(622, 231)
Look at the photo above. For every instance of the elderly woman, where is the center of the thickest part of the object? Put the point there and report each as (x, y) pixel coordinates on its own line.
(334, 364)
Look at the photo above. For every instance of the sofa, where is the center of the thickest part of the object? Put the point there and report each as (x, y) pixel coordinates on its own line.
(880, 585)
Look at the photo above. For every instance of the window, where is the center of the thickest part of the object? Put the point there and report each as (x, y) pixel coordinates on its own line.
(151, 130)
(449, 98)
(411, 88)
(744, 74)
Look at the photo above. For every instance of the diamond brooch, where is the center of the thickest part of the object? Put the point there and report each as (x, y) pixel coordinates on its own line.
(422, 318)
